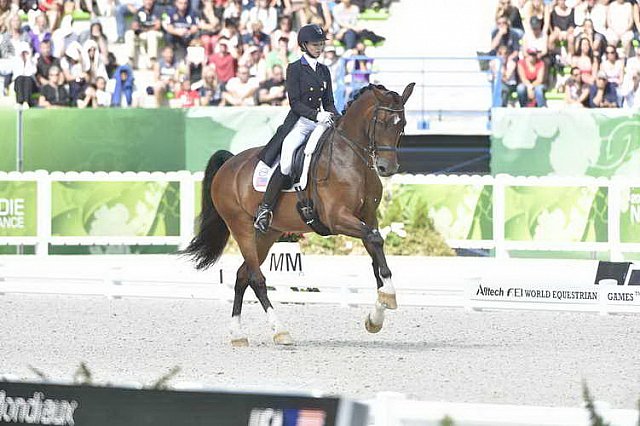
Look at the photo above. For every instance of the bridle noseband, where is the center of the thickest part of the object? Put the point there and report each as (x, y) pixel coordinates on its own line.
(369, 155)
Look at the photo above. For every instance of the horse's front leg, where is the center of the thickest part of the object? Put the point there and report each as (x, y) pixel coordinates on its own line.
(374, 243)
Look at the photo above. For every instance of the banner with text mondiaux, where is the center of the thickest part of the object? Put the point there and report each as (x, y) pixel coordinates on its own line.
(18, 215)
(612, 286)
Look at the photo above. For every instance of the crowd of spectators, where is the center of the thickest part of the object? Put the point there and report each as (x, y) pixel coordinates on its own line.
(200, 52)
(587, 50)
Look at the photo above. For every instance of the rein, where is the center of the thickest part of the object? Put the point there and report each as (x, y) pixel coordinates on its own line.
(369, 154)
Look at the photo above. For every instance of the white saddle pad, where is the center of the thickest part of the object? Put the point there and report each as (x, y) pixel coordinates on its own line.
(263, 172)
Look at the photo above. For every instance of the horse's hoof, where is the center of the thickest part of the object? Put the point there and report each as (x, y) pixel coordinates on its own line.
(371, 327)
(388, 300)
(283, 338)
(241, 342)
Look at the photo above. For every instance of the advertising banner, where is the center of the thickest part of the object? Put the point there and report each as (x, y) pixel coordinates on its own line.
(18, 213)
(8, 140)
(458, 212)
(107, 139)
(233, 129)
(568, 142)
(611, 287)
(558, 214)
(630, 215)
(74, 405)
(115, 209)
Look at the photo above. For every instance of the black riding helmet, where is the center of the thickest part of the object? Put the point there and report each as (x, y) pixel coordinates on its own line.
(310, 33)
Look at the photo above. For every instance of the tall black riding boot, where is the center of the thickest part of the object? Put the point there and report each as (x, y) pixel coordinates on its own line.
(264, 215)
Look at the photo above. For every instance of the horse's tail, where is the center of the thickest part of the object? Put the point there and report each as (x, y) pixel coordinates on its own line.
(207, 246)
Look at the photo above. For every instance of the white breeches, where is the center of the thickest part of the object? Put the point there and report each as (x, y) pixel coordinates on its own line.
(296, 137)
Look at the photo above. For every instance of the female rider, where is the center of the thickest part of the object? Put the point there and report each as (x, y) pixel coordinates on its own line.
(310, 96)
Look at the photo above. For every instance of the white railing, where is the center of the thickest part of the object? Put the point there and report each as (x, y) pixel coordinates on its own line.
(187, 181)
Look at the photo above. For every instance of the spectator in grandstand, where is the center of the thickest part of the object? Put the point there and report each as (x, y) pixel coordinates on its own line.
(103, 97)
(182, 27)
(585, 61)
(359, 70)
(23, 74)
(89, 98)
(262, 12)
(96, 34)
(124, 9)
(594, 11)
(597, 40)
(210, 92)
(315, 12)
(273, 91)
(63, 37)
(620, 24)
(195, 62)
(506, 10)
(16, 32)
(562, 25)
(39, 32)
(45, 62)
(633, 63)
(531, 71)
(224, 62)
(124, 88)
(537, 9)
(257, 37)
(284, 30)
(345, 16)
(166, 74)
(283, 7)
(209, 23)
(92, 61)
(602, 93)
(613, 67)
(331, 59)
(630, 91)
(255, 61)
(233, 11)
(7, 52)
(186, 97)
(575, 92)
(54, 94)
(74, 71)
(240, 90)
(507, 71)
(7, 8)
(53, 9)
(231, 32)
(145, 33)
(536, 38)
(281, 56)
(503, 35)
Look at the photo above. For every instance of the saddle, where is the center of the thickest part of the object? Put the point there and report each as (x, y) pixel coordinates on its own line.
(301, 169)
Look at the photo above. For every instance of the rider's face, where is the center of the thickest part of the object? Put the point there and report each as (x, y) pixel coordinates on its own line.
(315, 48)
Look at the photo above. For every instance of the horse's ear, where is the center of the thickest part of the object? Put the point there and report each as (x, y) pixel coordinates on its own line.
(407, 92)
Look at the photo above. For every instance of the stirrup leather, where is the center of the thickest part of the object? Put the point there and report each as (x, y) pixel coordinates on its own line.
(264, 216)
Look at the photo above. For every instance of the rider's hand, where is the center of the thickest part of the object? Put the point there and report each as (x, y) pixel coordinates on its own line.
(325, 117)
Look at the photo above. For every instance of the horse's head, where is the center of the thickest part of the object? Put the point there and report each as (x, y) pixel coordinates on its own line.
(380, 113)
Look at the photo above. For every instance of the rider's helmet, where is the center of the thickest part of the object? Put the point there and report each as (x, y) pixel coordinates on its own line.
(310, 33)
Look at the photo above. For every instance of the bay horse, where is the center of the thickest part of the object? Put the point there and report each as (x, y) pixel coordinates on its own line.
(346, 190)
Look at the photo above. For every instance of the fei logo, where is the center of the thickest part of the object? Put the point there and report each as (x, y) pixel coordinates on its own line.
(11, 213)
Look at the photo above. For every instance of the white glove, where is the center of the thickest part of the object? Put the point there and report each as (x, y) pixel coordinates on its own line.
(325, 117)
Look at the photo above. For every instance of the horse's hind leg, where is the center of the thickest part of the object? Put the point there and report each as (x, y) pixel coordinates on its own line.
(238, 335)
(280, 335)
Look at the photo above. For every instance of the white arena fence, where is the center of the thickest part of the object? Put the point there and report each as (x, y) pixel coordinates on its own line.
(501, 213)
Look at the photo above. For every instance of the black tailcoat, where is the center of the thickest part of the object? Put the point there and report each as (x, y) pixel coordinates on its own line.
(307, 90)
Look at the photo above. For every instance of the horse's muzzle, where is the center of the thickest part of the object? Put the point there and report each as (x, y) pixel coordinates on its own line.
(385, 169)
